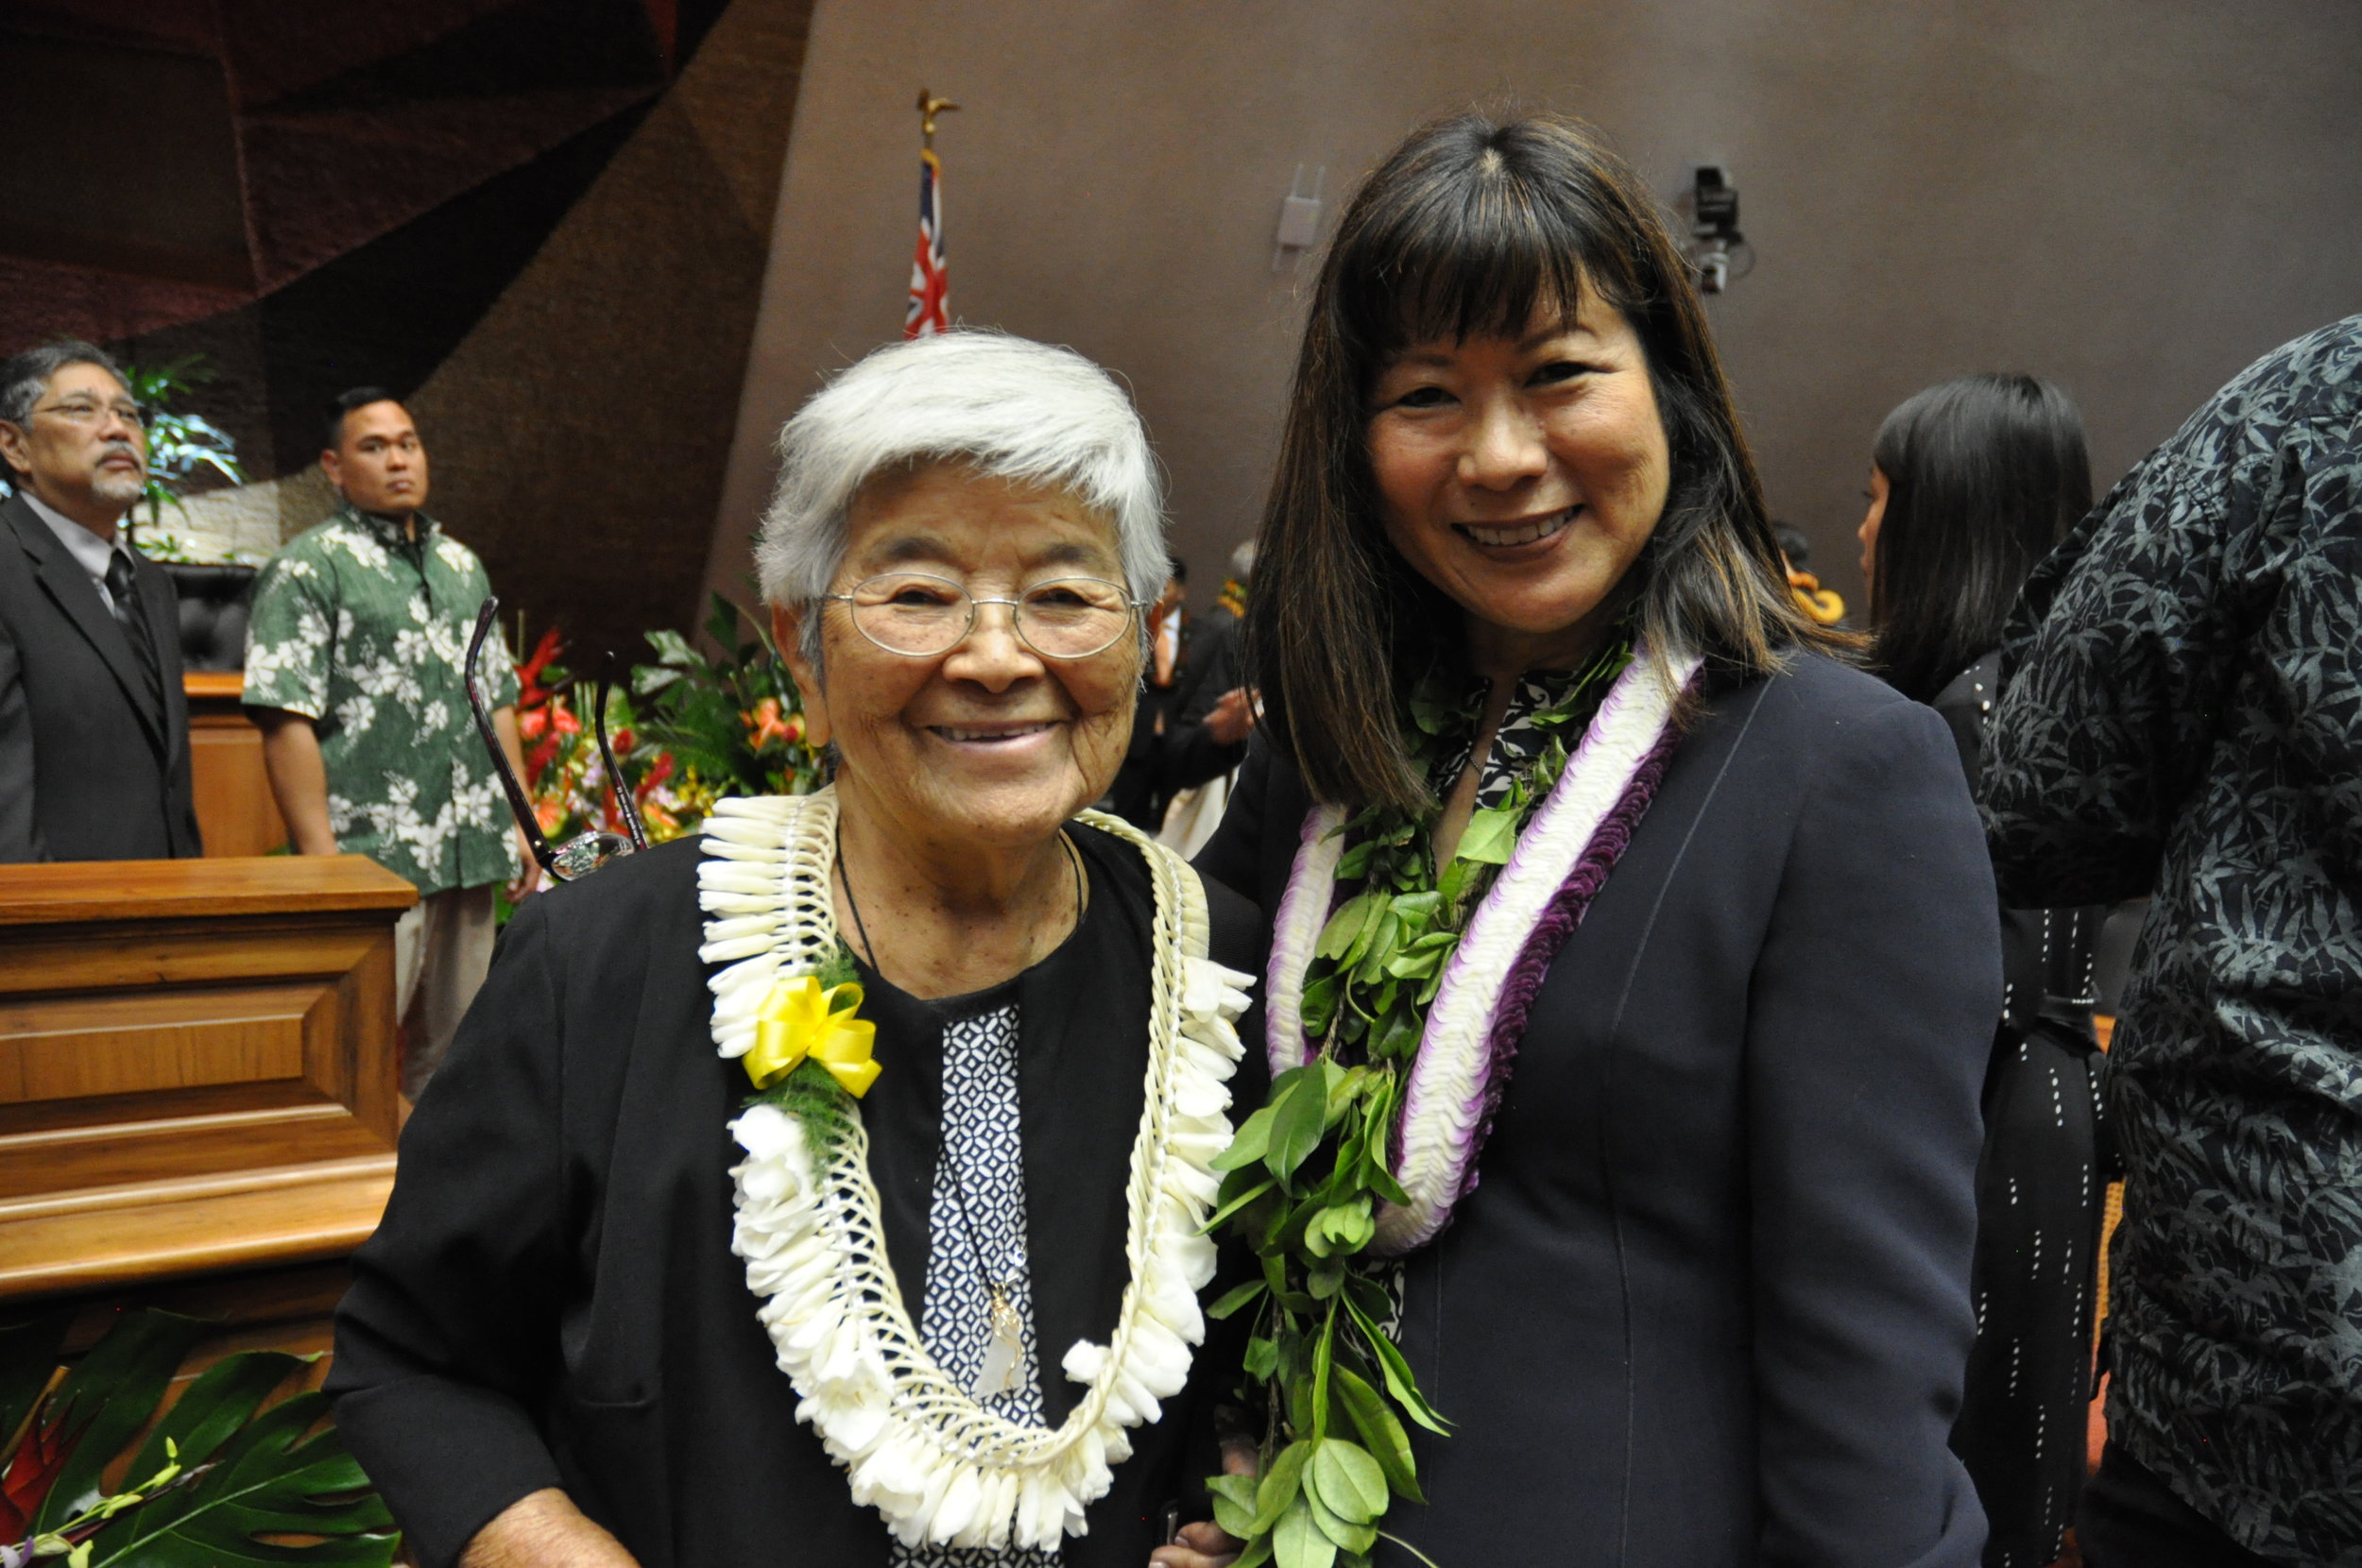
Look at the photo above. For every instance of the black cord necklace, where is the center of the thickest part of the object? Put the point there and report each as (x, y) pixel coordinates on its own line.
(869, 949)
(999, 1373)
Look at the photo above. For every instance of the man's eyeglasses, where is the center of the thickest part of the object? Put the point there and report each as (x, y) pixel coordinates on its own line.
(85, 413)
(580, 856)
(920, 615)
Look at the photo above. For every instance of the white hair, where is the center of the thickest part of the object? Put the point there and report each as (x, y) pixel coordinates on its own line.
(1003, 406)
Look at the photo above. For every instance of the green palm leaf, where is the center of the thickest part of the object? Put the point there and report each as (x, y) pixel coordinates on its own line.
(210, 1413)
(266, 1483)
(107, 1398)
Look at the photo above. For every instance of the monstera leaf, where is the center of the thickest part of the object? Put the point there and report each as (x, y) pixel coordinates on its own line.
(215, 1484)
(264, 1485)
(104, 1401)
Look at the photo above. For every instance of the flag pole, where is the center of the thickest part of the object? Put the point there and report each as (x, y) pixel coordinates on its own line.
(928, 107)
(929, 309)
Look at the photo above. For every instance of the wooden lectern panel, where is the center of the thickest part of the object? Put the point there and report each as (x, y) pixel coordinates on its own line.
(78, 1044)
(197, 1066)
(234, 807)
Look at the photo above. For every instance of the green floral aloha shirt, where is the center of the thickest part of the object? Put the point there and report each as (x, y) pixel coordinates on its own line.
(363, 632)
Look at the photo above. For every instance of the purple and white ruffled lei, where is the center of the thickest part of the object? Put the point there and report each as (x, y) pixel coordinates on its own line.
(1466, 1051)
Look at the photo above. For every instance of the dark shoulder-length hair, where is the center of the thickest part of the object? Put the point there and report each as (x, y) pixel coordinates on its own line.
(1470, 228)
(1983, 474)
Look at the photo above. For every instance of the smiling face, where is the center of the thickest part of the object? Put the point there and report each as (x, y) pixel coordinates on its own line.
(82, 448)
(1522, 478)
(990, 743)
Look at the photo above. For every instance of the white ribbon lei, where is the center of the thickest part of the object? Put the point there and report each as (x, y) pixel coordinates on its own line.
(915, 1445)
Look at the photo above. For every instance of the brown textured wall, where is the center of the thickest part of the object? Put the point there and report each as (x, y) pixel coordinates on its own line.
(2133, 197)
(579, 433)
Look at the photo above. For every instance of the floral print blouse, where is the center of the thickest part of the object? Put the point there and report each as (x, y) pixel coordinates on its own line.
(363, 632)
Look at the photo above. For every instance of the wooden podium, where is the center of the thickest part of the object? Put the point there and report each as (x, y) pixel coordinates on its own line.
(198, 1084)
(234, 809)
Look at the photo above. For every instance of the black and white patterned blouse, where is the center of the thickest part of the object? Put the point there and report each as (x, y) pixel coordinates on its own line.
(1520, 740)
(979, 1203)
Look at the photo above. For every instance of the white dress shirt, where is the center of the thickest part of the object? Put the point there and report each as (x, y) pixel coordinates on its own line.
(91, 552)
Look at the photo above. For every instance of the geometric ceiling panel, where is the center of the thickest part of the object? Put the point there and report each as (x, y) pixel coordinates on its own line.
(195, 154)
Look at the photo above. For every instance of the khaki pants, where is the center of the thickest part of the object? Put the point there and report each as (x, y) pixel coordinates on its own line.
(442, 948)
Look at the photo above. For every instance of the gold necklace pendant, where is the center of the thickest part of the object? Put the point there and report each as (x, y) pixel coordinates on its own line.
(997, 1376)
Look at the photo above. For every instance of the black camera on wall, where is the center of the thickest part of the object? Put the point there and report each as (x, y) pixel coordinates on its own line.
(1713, 229)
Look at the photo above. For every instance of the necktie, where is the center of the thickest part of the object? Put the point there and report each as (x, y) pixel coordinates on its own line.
(122, 590)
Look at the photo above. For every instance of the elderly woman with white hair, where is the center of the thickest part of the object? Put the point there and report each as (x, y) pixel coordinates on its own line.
(828, 1189)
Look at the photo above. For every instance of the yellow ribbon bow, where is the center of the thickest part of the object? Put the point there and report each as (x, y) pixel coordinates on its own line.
(799, 1021)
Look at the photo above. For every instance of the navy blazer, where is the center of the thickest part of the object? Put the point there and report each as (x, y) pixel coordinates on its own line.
(1709, 1306)
(93, 766)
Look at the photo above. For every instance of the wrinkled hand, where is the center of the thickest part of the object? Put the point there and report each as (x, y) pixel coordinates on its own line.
(1231, 719)
(1200, 1545)
(544, 1529)
(1204, 1545)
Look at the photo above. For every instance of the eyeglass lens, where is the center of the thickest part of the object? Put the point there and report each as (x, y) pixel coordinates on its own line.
(919, 614)
(579, 857)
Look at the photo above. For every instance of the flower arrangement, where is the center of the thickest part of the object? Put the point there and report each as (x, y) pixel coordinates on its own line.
(566, 777)
(224, 1476)
(736, 722)
(690, 730)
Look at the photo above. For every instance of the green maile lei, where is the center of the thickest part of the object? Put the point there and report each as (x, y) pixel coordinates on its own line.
(1306, 1172)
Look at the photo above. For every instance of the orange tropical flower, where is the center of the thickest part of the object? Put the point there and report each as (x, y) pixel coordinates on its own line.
(766, 723)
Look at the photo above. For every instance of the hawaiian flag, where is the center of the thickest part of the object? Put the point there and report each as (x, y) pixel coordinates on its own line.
(931, 281)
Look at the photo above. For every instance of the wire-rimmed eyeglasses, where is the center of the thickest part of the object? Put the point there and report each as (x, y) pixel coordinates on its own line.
(919, 615)
(83, 412)
(578, 856)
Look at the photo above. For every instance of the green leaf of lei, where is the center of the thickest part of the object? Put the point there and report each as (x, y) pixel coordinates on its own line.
(1299, 1112)
(1491, 836)
(1305, 1171)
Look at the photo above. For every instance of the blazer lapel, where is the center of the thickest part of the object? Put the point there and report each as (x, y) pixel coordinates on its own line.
(77, 599)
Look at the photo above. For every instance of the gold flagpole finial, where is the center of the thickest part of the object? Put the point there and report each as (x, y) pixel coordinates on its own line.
(928, 107)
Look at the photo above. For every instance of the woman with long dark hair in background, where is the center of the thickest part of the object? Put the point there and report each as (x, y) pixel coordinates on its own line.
(1972, 482)
(1592, 873)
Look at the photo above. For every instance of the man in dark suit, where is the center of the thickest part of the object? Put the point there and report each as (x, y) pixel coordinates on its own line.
(1192, 722)
(94, 723)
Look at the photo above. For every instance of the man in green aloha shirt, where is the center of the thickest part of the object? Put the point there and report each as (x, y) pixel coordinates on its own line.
(353, 670)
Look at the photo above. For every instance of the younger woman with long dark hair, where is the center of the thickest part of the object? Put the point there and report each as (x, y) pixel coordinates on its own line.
(1972, 482)
(1679, 945)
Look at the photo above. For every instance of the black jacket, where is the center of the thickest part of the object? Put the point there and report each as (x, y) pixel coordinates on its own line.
(552, 1299)
(93, 766)
(1709, 1306)
(2042, 1189)
(1171, 750)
